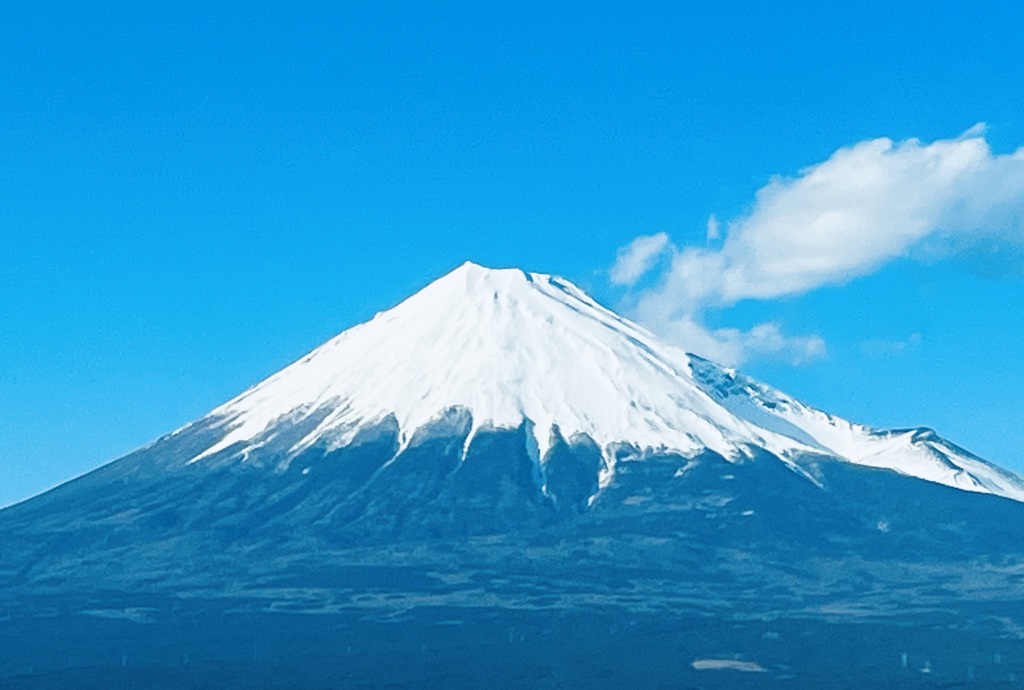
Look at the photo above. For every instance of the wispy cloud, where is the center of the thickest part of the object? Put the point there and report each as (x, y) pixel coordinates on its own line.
(890, 348)
(844, 218)
(714, 229)
(638, 257)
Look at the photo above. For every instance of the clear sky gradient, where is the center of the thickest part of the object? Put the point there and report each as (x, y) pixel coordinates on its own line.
(193, 196)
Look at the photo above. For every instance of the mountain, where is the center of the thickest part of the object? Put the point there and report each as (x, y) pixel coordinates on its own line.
(500, 447)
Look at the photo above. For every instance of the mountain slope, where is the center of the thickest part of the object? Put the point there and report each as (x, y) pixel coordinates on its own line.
(917, 452)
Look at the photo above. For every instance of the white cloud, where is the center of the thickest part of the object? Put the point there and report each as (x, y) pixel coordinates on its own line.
(841, 219)
(638, 258)
(734, 346)
(726, 345)
(865, 206)
(714, 229)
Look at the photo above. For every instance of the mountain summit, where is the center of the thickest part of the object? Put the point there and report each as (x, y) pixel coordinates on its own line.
(499, 348)
(503, 346)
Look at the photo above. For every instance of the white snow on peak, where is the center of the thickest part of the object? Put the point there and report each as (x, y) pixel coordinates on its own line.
(505, 345)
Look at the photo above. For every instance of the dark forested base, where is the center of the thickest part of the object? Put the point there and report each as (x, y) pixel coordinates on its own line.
(203, 645)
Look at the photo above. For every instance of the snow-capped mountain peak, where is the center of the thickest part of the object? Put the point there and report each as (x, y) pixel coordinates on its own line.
(508, 347)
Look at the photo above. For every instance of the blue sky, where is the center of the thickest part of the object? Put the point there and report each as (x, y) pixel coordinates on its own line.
(192, 197)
